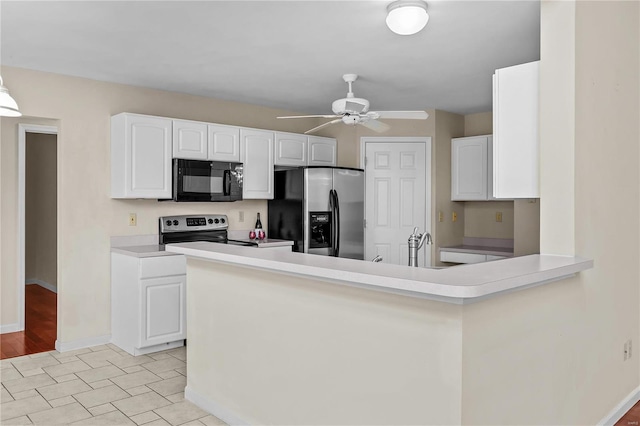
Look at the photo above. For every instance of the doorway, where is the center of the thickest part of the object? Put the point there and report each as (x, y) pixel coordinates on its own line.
(397, 196)
(37, 243)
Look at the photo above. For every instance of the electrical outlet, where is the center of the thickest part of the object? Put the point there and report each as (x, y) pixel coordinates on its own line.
(133, 220)
(498, 216)
(626, 351)
(454, 217)
(440, 217)
(240, 216)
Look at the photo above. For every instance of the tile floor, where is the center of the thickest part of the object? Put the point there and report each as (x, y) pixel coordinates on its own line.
(102, 385)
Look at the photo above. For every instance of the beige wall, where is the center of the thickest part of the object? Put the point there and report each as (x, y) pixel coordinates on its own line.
(87, 214)
(480, 219)
(478, 124)
(526, 227)
(41, 208)
(324, 354)
(448, 233)
(558, 356)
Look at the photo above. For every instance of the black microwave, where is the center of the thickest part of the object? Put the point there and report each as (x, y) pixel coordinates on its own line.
(197, 180)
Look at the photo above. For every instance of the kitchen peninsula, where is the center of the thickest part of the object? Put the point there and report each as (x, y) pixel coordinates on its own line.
(291, 338)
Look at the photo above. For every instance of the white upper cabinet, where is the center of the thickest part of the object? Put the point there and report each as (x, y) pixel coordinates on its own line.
(189, 140)
(224, 143)
(291, 149)
(515, 131)
(140, 156)
(257, 156)
(322, 151)
(471, 177)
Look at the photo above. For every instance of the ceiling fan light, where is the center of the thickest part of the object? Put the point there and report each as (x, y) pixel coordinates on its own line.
(406, 17)
(8, 106)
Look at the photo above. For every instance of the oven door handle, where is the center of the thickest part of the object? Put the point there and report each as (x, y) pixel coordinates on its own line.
(226, 183)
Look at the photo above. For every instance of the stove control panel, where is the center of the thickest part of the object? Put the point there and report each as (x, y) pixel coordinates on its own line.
(202, 222)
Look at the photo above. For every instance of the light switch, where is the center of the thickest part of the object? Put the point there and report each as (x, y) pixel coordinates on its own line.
(498, 216)
(133, 220)
(440, 217)
(454, 217)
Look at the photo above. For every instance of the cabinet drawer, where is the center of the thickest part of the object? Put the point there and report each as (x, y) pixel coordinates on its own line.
(163, 266)
(456, 257)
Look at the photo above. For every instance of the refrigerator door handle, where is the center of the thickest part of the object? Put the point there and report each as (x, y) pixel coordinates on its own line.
(332, 205)
(337, 214)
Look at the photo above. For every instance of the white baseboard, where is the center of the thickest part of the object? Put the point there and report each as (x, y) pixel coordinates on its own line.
(213, 407)
(41, 283)
(10, 328)
(82, 343)
(621, 409)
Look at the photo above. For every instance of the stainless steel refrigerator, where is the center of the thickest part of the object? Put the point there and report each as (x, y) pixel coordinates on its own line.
(320, 209)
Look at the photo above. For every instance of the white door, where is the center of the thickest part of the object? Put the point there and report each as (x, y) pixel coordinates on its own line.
(163, 317)
(291, 149)
(397, 197)
(224, 143)
(322, 151)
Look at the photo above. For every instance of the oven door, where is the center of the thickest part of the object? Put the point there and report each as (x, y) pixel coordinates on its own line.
(196, 180)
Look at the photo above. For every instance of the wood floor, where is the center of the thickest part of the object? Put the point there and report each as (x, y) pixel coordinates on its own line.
(40, 325)
(631, 418)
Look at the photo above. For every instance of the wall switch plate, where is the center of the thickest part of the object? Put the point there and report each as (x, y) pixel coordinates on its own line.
(498, 216)
(240, 216)
(133, 220)
(454, 217)
(440, 217)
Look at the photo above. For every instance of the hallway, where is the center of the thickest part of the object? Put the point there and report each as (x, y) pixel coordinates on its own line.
(40, 325)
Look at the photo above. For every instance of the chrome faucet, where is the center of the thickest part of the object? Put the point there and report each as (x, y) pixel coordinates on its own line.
(415, 243)
(378, 258)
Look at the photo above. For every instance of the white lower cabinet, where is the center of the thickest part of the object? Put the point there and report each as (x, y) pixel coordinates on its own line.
(148, 303)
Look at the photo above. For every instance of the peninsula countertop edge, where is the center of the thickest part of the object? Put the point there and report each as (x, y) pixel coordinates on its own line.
(459, 285)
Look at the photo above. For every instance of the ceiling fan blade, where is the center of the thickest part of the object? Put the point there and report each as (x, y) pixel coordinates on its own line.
(323, 125)
(310, 116)
(409, 115)
(375, 125)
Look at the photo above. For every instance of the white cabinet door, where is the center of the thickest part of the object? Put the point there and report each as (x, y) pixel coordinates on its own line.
(515, 131)
(224, 143)
(322, 151)
(256, 153)
(140, 156)
(189, 140)
(163, 316)
(291, 149)
(469, 168)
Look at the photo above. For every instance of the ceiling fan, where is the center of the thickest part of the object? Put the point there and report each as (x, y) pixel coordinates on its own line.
(352, 111)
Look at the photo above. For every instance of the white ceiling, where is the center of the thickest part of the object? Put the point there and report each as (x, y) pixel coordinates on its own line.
(283, 54)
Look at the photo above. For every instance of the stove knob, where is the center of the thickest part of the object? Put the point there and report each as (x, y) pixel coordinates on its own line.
(175, 222)
(217, 221)
(210, 221)
(222, 220)
(168, 223)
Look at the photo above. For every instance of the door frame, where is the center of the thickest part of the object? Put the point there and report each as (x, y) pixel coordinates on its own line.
(23, 129)
(426, 140)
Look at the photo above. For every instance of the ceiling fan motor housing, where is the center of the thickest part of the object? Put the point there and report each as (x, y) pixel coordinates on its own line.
(350, 106)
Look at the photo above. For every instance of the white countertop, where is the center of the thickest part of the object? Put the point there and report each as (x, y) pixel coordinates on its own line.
(267, 242)
(493, 251)
(151, 250)
(460, 284)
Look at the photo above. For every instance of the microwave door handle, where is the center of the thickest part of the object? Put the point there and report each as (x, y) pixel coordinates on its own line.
(226, 182)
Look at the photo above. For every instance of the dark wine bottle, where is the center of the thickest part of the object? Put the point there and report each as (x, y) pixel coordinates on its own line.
(258, 222)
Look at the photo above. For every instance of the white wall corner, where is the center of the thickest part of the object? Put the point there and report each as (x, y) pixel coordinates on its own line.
(82, 343)
(621, 409)
(41, 283)
(10, 328)
(212, 407)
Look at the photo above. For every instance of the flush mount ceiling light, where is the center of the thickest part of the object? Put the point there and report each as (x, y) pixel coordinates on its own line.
(406, 17)
(8, 106)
